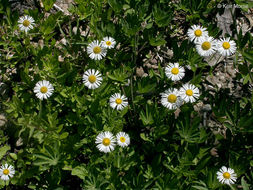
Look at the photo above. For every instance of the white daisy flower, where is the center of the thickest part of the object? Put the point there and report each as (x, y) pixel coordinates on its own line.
(118, 101)
(92, 79)
(189, 93)
(105, 141)
(123, 139)
(6, 172)
(108, 42)
(26, 23)
(43, 89)
(196, 32)
(174, 72)
(226, 176)
(226, 47)
(96, 51)
(206, 46)
(171, 99)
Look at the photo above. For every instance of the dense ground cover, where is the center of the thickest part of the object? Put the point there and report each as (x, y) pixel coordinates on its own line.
(182, 99)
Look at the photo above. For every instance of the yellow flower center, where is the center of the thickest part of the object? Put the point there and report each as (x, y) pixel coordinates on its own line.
(97, 49)
(122, 139)
(92, 78)
(108, 43)
(226, 175)
(43, 89)
(106, 141)
(226, 45)
(175, 71)
(206, 45)
(172, 98)
(118, 101)
(6, 172)
(189, 92)
(26, 23)
(198, 32)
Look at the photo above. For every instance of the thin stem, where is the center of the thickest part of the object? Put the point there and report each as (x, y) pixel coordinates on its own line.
(218, 59)
(225, 65)
(211, 70)
(58, 8)
(132, 91)
(250, 74)
(135, 53)
(77, 26)
(60, 28)
(231, 187)
(78, 43)
(40, 111)
(123, 90)
(107, 167)
(212, 56)
(142, 47)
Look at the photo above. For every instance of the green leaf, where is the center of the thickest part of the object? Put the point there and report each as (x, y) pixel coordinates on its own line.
(189, 132)
(118, 75)
(144, 137)
(83, 9)
(48, 4)
(13, 156)
(246, 79)
(244, 184)
(248, 56)
(243, 69)
(131, 24)
(49, 156)
(146, 117)
(157, 41)
(49, 25)
(116, 5)
(3, 151)
(162, 17)
(199, 187)
(80, 171)
(244, 4)
(145, 86)
(64, 135)
(246, 123)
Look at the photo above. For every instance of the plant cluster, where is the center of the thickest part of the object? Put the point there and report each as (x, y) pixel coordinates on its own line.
(69, 82)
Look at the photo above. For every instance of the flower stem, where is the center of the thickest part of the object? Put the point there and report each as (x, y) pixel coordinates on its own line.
(40, 111)
(135, 54)
(212, 67)
(250, 74)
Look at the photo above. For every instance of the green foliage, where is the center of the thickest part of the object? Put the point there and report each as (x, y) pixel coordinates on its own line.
(51, 143)
(3, 151)
(48, 4)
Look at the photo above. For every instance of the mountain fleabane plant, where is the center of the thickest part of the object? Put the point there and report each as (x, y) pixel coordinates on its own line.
(196, 32)
(226, 176)
(206, 46)
(174, 72)
(171, 99)
(189, 93)
(7, 172)
(92, 78)
(26, 23)
(43, 89)
(96, 51)
(118, 101)
(105, 141)
(123, 139)
(226, 47)
(108, 42)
